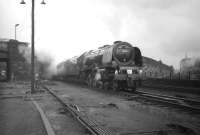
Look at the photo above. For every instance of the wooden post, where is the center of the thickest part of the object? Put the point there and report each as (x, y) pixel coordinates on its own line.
(32, 49)
(189, 75)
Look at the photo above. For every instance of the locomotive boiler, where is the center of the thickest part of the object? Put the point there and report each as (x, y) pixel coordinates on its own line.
(116, 66)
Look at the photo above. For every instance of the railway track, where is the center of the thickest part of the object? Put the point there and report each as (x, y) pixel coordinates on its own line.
(99, 129)
(194, 90)
(183, 103)
(91, 125)
(191, 105)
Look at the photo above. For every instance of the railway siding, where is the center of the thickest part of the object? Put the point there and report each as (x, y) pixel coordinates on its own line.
(119, 114)
(94, 127)
(61, 121)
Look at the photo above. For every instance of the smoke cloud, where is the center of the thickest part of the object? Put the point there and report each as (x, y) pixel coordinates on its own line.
(163, 29)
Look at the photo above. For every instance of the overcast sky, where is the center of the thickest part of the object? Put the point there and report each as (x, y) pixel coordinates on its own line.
(162, 29)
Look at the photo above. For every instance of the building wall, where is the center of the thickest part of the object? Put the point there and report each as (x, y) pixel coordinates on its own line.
(156, 69)
(17, 66)
(3, 60)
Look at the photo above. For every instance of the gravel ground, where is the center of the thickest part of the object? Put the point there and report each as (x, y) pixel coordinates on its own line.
(62, 122)
(18, 116)
(123, 116)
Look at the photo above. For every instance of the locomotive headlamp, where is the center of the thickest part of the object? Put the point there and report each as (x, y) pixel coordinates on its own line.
(140, 71)
(129, 71)
(22, 2)
(43, 2)
(116, 72)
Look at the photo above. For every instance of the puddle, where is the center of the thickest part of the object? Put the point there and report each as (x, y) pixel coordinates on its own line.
(61, 111)
(160, 132)
(9, 87)
(130, 98)
(180, 96)
(109, 105)
(181, 129)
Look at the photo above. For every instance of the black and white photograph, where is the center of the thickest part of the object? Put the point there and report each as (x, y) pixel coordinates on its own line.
(99, 67)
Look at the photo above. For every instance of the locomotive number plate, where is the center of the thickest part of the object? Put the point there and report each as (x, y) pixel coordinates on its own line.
(128, 68)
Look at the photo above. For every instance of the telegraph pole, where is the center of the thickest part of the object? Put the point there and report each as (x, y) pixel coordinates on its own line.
(32, 43)
(33, 47)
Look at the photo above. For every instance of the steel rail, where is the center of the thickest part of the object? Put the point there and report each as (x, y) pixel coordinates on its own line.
(171, 87)
(89, 124)
(171, 97)
(175, 101)
(178, 102)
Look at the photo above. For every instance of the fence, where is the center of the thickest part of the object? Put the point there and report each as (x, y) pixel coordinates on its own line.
(172, 76)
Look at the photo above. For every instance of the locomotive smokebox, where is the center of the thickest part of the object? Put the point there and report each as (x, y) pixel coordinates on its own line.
(123, 53)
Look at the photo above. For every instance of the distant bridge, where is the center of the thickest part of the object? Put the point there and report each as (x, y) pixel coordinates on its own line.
(9, 57)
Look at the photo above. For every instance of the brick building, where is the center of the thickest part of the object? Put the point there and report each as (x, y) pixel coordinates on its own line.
(14, 57)
(156, 69)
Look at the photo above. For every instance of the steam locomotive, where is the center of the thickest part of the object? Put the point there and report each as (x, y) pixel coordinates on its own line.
(117, 66)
